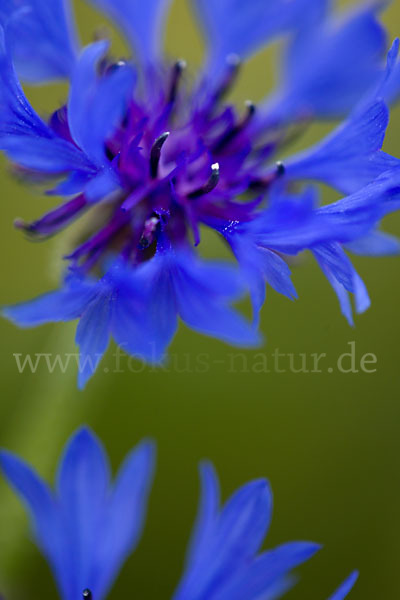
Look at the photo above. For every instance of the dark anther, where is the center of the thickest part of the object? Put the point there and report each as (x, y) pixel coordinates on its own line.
(115, 66)
(109, 153)
(260, 183)
(250, 108)
(178, 69)
(230, 135)
(210, 185)
(143, 244)
(280, 168)
(87, 594)
(156, 153)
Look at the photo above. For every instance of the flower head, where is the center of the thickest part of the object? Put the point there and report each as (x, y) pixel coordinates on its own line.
(86, 529)
(154, 160)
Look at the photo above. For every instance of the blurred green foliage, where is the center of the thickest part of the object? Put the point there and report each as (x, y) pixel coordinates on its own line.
(329, 442)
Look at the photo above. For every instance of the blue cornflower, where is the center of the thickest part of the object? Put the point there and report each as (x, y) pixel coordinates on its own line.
(153, 160)
(86, 529)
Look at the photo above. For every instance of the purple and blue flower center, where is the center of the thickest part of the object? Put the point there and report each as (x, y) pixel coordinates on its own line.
(183, 158)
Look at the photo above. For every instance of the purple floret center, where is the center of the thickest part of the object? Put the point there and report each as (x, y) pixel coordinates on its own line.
(182, 158)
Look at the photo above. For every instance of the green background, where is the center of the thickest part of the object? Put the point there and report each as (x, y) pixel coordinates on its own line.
(328, 442)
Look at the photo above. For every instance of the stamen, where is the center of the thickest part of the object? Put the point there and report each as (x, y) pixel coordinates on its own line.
(210, 185)
(251, 109)
(178, 70)
(55, 220)
(260, 183)
(87, 594)
(119, 64)
(155, 154)
(230, 135)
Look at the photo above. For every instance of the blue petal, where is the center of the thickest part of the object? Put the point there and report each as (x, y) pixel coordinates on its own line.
(182, 284)
(92, 336)
(234, 27)
(23, 134)
(343, 278)
(70, 186)
(146, 330)
(125, 514)
(294, 223)
(279, 588)
(329, 67)
(229, 540)
(341, 293)
(139, 332)
(220, 278)
(351, 156)
(361, 296)
(387, 81)
(200, 307)
(49, 155)
(17, 115)
(104, 184)
(389, 85)
(63, 305)
(370, 203)
(345, 588)
(277, 273)
(259, 578)
(392, 89)
(40, 503)
(258, 265)
(141, 22)
(96, 104)
(243, 524)
(83, 483)
(338, 263)
(42, 38)
(207, 514)
(376, 243)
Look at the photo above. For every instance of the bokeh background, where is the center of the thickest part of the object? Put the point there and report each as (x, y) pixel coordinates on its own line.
(328, 442)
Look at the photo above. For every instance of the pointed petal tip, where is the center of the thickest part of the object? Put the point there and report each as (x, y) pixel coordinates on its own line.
(207, 470)
(8, 313)
(148, 448)
(258, 490)
(84, 436)
(346, 587)
(261, 488)
(82, 380)
(208, 474)
(312, 548)
(206, 465)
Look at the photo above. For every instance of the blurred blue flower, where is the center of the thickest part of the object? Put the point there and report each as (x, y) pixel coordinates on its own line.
(87, 528)
(224, 560)
(153, 160)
